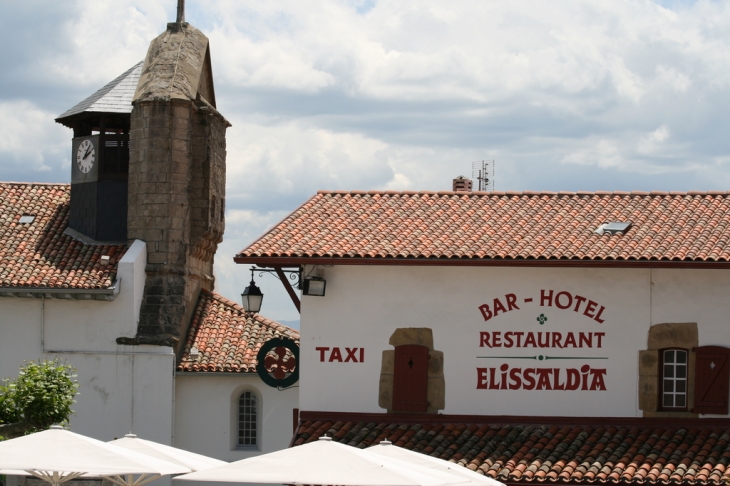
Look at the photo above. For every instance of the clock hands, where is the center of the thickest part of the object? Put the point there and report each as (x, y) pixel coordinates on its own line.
(88, 151)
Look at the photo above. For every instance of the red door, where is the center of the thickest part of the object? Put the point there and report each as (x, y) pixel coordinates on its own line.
(712, 375)
(410, 383)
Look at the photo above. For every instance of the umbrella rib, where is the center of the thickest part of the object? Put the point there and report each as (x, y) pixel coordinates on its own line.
(142, 480)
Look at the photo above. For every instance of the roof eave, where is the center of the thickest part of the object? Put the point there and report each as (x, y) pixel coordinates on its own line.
(107, 294)
(479, 262)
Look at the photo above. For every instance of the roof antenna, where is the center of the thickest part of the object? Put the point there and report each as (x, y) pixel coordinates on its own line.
(180, 12)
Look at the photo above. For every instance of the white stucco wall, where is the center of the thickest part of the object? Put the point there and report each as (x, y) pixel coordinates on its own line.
(206, 407)
(123, 388)
(365, 304)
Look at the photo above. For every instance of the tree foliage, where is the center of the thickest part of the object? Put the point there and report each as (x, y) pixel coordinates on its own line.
(41, 395)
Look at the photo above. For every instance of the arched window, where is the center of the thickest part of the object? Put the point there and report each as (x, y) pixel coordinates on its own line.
(247, 419)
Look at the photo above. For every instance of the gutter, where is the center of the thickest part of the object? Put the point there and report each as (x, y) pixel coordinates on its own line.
(268, 261)
(107, 294)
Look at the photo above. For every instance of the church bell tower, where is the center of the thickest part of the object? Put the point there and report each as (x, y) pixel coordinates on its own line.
(100, 159)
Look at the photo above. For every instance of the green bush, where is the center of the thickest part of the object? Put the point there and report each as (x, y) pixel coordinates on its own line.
(41, 395)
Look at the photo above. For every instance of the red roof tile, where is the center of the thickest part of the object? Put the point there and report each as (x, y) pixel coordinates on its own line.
(39, 254)
(227, 338)
(642, 452)
(451, 226)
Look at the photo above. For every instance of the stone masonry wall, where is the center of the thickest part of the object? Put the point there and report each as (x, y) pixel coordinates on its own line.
(176, 192)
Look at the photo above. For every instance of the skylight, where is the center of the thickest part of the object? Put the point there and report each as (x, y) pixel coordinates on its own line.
(613, 228)
(26, 219)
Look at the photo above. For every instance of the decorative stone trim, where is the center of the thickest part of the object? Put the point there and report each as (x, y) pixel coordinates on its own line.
(662, 336)
(422, 336)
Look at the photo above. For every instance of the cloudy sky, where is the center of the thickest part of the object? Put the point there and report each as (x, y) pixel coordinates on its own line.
(397, 94)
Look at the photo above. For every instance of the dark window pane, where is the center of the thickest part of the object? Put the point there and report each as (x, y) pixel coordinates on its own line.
(668, 386)
(668, 400)
(681, 386)
(681, 356)
(669, 356)
(668, 371)
(681, 371)
(680, 401)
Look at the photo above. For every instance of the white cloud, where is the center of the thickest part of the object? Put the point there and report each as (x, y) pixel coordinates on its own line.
(30, 140)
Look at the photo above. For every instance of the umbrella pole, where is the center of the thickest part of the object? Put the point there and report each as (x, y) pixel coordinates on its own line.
(130, 481)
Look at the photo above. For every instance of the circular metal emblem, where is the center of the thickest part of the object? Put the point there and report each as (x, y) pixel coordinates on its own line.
(278, 369)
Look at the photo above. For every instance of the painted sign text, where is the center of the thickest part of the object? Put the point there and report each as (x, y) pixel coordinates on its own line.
(506, 378)
(548, 298)
(335, 355)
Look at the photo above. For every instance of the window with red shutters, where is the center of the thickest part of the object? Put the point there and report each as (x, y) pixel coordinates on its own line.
(410, 380)
(712, 379)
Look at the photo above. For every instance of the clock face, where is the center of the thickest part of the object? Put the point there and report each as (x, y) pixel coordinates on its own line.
(85, 156)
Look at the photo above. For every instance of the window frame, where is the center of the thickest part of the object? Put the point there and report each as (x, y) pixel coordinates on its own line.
(256, 420)
(661, 407)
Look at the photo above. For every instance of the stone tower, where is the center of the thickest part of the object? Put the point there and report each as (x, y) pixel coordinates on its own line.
(177, 178)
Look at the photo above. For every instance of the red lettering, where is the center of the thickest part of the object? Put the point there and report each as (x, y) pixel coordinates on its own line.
(570, 339)
(556, 380)
(336, 355)
(542, 344)
(598, 316)
(584, 371)
(543, 382)
(529, 376)
(519, 338)
(548, 298)
(498, 307)
(597, 383)
(557, 300)
(493, 385)
(485, 311)
(514, 375)
(511, 301)
(484, 340)
(497, 338)
(590, 308)
(579, 300)
(362, 355)
(599, 335)
(481, 378)
(351, 355)
(556, 340)
(321, 352)
(508, 342)
(504, 369)
(573, 379)
(530, 340)
(587, 338)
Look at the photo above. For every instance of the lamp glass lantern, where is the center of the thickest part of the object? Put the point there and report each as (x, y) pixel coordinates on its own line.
(315, 286)
(252, 296)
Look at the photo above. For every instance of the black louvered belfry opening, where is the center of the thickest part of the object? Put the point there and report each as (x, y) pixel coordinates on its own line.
(115, 162)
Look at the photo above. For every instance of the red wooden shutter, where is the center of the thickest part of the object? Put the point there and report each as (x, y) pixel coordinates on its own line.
(712, 377)
(410, 383)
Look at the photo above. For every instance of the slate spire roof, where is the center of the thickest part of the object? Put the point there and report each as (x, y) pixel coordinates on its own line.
(382, 227)
(115, 97)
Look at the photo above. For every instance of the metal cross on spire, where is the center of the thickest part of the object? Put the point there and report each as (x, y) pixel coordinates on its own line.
(180, 11)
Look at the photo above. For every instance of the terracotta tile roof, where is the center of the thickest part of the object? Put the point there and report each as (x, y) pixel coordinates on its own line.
(39, 254)
(529, 453)
(449, 226)
(227, 338)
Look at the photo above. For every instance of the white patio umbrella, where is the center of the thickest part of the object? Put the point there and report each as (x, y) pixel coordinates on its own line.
(57, 455)
(387, 449)
(325, 462)
(195, 462)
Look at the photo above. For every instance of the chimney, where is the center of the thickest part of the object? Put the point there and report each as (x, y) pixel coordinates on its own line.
(462, 184)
